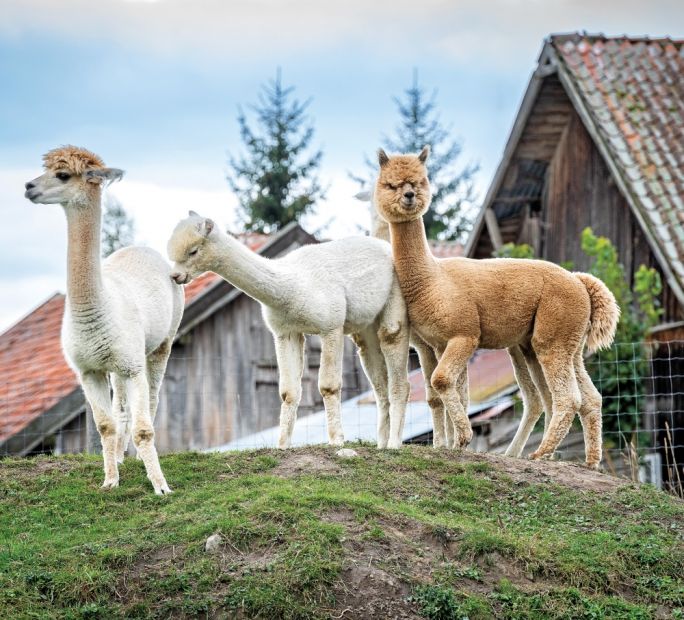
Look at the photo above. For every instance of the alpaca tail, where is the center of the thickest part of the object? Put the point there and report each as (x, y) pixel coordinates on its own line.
(605, 313)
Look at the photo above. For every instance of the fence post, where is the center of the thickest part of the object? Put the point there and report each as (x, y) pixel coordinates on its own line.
(93, 443)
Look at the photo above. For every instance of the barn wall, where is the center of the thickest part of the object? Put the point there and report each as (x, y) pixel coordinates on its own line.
(222, 380)
(580, 192)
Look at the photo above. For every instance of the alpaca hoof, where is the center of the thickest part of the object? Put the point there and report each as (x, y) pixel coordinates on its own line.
(593, 466)
(439, 442)
(110, 483)
(163, 490)
(539, 456)
(337, 443)
(394, 445)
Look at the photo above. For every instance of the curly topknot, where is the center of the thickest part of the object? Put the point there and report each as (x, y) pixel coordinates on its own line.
(72, 158)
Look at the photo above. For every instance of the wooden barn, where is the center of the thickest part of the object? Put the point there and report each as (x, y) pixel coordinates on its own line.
(599, 141)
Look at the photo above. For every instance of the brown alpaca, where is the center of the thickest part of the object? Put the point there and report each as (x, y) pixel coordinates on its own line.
(537, 310)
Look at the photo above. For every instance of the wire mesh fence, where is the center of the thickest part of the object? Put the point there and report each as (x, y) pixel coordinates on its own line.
(206, 404)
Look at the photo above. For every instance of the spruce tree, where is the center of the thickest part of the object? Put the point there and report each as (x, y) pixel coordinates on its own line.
(452, 188)
(118, 228)
(275, 179)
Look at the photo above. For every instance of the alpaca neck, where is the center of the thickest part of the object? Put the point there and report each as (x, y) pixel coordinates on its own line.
(413, 259)
(84, 274)
(257, 276)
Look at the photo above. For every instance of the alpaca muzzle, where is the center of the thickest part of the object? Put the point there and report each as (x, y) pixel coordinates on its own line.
(180, 278)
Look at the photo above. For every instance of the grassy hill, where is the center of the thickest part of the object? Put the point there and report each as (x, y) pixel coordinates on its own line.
(305, 534)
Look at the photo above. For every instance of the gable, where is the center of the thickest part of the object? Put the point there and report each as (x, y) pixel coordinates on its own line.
(629, 96)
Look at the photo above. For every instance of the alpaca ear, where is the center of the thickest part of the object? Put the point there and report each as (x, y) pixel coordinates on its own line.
(424, 154)
(192, 213)
(205, 227)
(106, 175)
(383, 160)
(364, 196)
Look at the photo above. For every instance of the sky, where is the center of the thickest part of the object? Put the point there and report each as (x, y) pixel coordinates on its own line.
(153, 86)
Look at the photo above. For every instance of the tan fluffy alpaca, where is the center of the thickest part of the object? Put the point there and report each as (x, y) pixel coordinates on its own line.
(539, 311)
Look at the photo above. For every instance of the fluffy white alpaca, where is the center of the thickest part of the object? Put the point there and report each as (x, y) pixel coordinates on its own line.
(120, 317)
(330, 289)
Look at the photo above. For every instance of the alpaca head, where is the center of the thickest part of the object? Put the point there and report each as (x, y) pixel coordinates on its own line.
(402, 191)
(187, 247)
(73, 177)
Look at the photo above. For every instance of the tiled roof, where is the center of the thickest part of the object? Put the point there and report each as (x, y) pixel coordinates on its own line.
(633, 90)
(490, 373)
(446, 249)
(34, 374)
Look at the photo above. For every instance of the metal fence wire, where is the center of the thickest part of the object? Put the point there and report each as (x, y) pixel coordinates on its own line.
(203, 406)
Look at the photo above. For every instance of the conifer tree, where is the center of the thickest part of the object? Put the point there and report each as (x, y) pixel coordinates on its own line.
(452, 188)
(118, 228)
(275, 179)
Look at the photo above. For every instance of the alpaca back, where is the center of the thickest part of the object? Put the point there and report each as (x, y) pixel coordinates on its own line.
(357, 269)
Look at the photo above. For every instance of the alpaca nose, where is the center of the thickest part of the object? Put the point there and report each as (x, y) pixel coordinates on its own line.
(29, 185)
(409, 195)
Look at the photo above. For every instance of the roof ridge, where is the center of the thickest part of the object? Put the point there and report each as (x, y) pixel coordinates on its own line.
(580, 35)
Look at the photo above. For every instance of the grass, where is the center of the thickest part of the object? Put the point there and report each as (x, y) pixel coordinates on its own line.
(455, 532)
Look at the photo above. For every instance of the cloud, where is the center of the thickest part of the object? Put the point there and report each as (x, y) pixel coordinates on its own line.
(486, 33)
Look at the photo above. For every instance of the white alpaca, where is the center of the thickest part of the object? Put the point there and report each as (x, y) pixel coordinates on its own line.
(120, 317)
(330, 289)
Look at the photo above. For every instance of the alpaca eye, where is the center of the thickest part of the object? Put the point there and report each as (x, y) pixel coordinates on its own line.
(63, 176)
(193, 252)
(390, 186)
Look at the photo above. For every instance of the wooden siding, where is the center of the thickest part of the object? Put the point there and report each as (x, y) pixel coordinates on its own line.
(580, 192)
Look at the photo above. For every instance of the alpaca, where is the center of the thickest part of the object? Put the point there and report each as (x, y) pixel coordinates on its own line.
(539, 311)
(330, 289)
(120, 316)
(442, 428)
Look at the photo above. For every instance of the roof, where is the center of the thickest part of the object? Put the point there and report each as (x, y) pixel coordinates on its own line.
(628, 92)
(446, 249)
(633, 89)
(492, 385)
(35, 375)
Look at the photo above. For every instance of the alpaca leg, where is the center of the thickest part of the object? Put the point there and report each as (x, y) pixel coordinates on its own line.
(330, 382)
(428, 363)
(446, 379)
(463, 393)
(537, 375)
(590, 413)
(156, 367)
(138, 393)
(559, 372)
(532, 404)
(123, 414)
(374, 366)
(394, 343)
(290, 356)
(96, 389)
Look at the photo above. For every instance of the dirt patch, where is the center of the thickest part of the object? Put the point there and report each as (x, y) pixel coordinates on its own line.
(570, 475)
(31, 467)
(296, 463)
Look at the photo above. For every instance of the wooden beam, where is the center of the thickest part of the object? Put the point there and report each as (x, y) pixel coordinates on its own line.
(493, 229)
